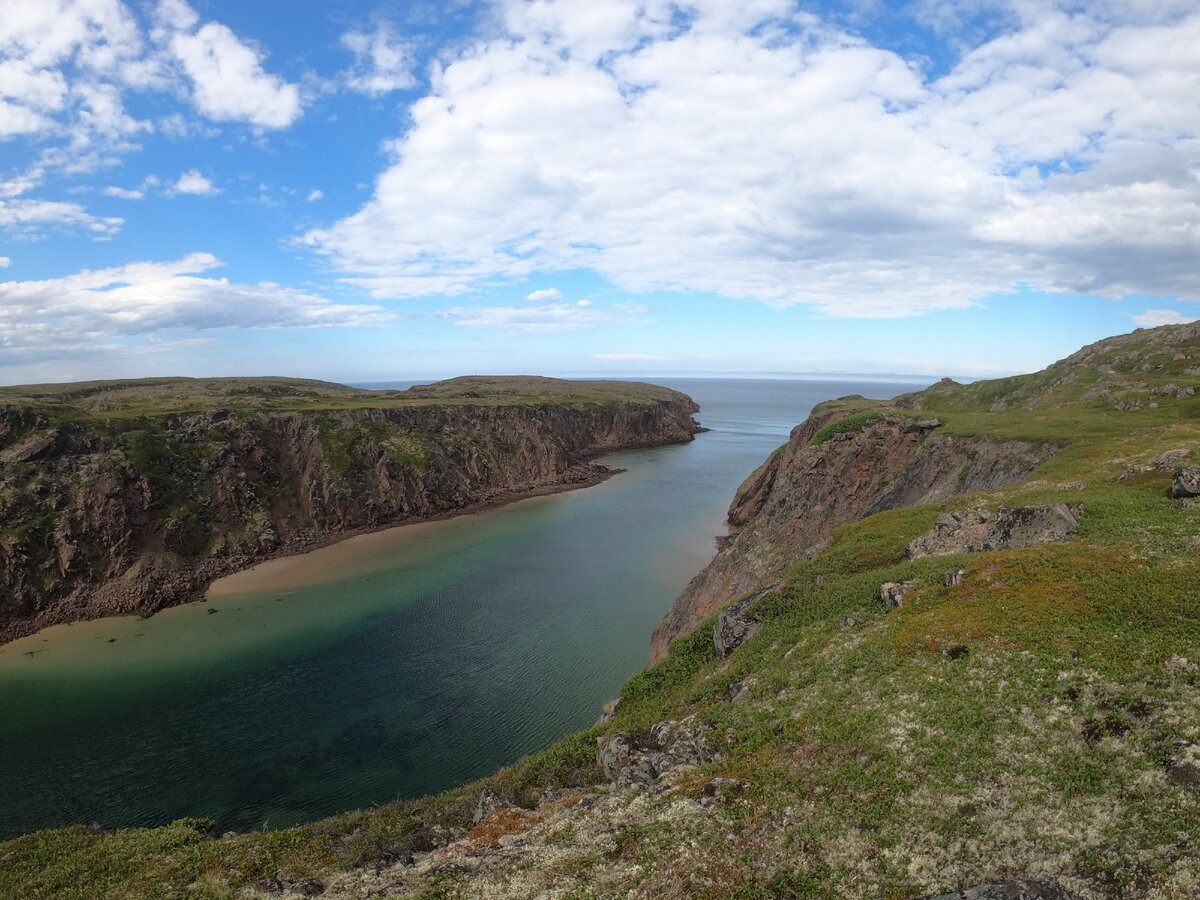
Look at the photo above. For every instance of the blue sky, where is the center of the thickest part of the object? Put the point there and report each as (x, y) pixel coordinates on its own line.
(367, 191)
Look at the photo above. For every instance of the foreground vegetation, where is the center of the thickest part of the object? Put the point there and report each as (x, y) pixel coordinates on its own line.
(1041, 717)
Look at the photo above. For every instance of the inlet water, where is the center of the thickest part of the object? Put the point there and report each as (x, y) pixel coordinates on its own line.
(447, 652)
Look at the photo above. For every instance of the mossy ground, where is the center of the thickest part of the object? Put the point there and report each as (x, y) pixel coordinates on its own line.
(1020, 723)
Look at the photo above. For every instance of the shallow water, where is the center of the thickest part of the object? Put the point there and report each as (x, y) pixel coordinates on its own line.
(422, 658)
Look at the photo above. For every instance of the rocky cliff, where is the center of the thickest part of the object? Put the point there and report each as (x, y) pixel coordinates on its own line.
(106, 509)
(837, 467)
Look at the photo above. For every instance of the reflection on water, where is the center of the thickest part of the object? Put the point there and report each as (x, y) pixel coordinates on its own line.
(425, 657)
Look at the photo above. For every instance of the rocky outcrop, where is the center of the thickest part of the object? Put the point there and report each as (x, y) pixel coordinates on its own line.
(103, 516)
(628, 761)
(735, 625)
(978, 530)
(825, 477)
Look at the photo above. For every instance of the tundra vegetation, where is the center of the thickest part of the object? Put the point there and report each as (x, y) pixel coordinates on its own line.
(1037, 715)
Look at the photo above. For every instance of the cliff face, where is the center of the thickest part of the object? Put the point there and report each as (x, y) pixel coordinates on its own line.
(102, 516)
(823, 478)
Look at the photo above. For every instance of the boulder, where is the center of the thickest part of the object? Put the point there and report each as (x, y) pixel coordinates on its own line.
(1019, 889)
(953, 532)
(892, 593)
(977, 531)
(1024, 526)
(1172, 459)
(1186, 483)
(954, 577)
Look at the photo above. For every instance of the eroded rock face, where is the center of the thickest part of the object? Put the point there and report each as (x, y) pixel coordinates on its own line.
(977, 530)
(1019, 889)
(788, 509)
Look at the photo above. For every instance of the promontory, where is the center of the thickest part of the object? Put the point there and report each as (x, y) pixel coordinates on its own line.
(121, 497)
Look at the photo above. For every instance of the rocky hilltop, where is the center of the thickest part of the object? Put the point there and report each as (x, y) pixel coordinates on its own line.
(958, 662)
(126, 497)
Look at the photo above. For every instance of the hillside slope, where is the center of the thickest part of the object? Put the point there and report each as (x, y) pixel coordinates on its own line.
(941, 694)
(120, 497)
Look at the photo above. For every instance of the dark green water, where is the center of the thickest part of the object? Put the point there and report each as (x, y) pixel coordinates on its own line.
(467, 646)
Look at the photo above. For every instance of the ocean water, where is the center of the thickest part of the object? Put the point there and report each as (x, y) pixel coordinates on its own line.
(444, 653)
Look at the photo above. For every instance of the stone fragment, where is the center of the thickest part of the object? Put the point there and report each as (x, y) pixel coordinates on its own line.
(1186, 483)
(921, 425)
(954, 578)
(1184, 393)
(892, 593)
(309, 888)
(1019, 889)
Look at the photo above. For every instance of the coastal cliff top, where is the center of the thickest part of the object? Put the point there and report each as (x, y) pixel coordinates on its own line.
(165, 396)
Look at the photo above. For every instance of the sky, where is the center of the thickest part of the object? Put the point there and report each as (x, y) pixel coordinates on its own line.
(360, 191)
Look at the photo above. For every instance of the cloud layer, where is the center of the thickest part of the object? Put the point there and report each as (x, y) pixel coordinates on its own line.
(760, 152)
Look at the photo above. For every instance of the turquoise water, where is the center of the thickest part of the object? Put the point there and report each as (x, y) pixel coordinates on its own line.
(456, 649)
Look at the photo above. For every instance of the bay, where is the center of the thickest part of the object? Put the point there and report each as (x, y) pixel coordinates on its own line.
(429, 656)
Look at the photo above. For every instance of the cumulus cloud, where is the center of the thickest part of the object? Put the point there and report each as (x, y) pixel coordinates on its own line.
(145, 298)
(383, 61)
(1152, 318)
(124, 193)
(549, 294)
(5, 262)
(761, 153)
(314, 195)
(193, 182)
(227, 76)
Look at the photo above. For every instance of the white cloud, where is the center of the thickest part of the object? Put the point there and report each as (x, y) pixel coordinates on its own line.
(124, 193)
(27, 217)
(1152, 318)
(193, 182)
(383, 61)
(314, 195)
(753, 152)
(145, 298)
(5, 262)
(228, 80)
(549, 294)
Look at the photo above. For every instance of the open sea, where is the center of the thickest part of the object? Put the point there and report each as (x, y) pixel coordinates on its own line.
(445, 652)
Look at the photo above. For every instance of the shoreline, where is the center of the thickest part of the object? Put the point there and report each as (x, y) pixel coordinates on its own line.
(206, 573)
(301, 567)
